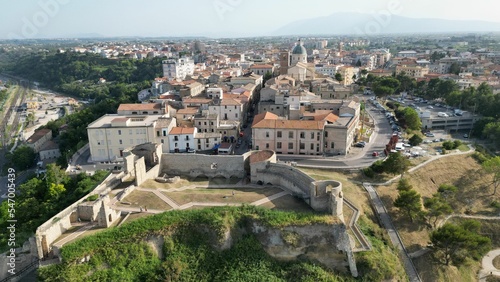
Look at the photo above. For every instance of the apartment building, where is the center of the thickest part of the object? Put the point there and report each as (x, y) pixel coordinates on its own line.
(178, 68)
(38, 139)
(414, 71)
(112, 133)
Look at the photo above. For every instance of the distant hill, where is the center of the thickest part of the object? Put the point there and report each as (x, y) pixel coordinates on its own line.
(367, 24)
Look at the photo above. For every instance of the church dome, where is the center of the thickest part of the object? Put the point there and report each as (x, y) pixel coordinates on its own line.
(299, 50)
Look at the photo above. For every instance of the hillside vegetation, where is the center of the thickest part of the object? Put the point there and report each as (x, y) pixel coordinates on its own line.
(188, 246)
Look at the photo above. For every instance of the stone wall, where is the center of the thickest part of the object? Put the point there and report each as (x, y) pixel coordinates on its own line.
(194, 165)
(53, 228)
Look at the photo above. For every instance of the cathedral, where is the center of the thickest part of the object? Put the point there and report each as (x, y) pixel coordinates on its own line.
(294, 64)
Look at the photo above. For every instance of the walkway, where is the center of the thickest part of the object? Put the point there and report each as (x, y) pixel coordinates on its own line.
(386, 221)
(74, 235)
(488, 267)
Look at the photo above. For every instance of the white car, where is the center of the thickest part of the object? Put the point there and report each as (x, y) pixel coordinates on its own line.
(443, 115)
(430, 107)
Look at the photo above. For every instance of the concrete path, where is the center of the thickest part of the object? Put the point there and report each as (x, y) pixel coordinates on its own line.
(74, 235)
(488, 267)
(386, 221)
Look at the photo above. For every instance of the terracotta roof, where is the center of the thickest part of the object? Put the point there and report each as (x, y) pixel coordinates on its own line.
(196, 101)
(260, 156)
(38, 135)
(265, 115)
(49, 145)
(139, 107)
(230, 102)
(290, 124)
(261, 66)
(189, 110)
(182, 130)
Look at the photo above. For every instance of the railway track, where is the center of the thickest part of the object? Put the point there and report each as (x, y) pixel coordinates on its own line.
(12, 117)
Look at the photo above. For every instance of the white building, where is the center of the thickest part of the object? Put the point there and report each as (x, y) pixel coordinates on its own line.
(181, 139)
(178, 68)
(111, 134)
(227, 109)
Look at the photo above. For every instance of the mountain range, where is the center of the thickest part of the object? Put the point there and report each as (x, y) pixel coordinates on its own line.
(376, 24)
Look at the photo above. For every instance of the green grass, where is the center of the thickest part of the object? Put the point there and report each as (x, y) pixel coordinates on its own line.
(187, 252)
(463, 148)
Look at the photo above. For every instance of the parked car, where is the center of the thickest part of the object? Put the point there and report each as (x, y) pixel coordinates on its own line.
(466, 135)
(360, 144)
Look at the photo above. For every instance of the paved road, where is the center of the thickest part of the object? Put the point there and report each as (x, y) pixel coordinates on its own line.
(386, 221)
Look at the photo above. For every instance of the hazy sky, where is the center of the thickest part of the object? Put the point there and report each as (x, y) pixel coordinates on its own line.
(217, 18)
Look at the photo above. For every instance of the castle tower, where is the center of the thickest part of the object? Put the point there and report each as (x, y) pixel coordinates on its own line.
(337, 202)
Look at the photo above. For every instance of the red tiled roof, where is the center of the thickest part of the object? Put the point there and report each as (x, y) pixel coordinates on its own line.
(182, 130)
(138, 107)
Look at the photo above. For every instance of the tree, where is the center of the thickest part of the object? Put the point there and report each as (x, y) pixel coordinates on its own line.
(338, 77)
(267, 76)
(364, 72)
(23, 157)
(410, 202)
(404, 185)
(415, 140)
(382, 91)
(396, 163)
(452, 243)
(455, 68)
(412, 119)
(492, 166)
(436, 207)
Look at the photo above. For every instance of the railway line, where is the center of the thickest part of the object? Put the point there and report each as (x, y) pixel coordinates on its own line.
(12, 117)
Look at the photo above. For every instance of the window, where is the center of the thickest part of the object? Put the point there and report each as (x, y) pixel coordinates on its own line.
(236, 115)
(290, 134)
(326, 133)
(157, 133)
(312, 146)
(162, 141)
(207, 140)
(302, 135)
(290, 146)
(130, 132)
(176, 138)
(278, 145)
(225, 107)
(267, 145)
(187, 137)
(279, 134)
(312, 135)
(302, 146)
(175, 145)
(119, 132)
(120, 141)
(199, 123)
(205, 123)
(164, 133)
(332, 145)
(267, 134)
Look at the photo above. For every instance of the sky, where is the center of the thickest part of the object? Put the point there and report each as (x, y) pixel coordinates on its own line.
(212, 18)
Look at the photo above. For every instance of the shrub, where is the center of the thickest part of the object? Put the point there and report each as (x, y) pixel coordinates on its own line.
(92, 198)
(457, 143)
(448, 145)
(479, 157)
(378, 166)
(415, 140)
(368, 172)
(495, 204)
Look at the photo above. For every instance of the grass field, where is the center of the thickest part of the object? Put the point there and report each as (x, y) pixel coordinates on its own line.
(207, 195)
(288, 203)
(148, 199)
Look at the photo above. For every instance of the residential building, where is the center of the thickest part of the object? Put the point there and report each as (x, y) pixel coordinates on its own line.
(38, 139)
(50, 150)
(143, 109)
(178, 68)
(262, 69)
(181, 139)
(414, 71)
(111, 134)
